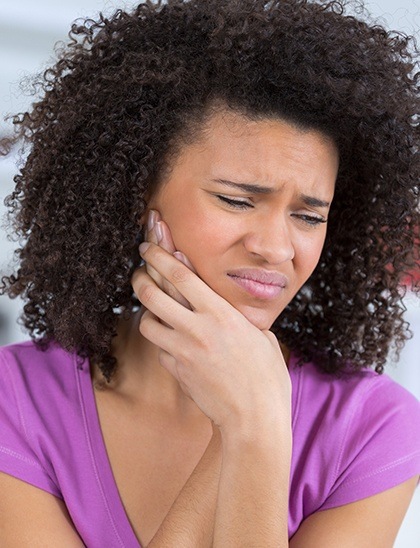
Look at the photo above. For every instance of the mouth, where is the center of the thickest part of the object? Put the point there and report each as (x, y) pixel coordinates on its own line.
(261, 284)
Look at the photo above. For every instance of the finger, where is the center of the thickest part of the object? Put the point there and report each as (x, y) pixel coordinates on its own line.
(158, 302)
(151, 236)
(168, 362)
(175, 294)
(161, 335)
(151, 329)
(159, 233)
(167, 243)
(195, 290)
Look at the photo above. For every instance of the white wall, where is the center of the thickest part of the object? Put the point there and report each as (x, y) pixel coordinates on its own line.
(28, 31)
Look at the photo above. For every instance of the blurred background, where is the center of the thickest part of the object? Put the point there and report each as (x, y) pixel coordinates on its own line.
(28, 33)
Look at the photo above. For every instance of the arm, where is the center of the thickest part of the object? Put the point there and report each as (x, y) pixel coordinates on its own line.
(190, 520)
(369, 523)
(210, 346)
(372, 522)
(31, 517)
(247, 504)
(242, 497)
(189, 523)
(252, 506)
(250, 386)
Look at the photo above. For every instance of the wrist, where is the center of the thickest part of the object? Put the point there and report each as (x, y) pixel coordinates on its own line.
(267, 431)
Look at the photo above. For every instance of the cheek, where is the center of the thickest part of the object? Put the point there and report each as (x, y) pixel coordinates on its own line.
(308, 252)
(192, 230)
(179, 214)
(198, 230)
(203, 240)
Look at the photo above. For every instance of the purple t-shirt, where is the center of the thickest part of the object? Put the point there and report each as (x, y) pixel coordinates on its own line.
(352, 438)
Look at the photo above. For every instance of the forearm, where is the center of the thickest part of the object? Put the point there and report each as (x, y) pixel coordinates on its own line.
(252, 504)
(190, 521)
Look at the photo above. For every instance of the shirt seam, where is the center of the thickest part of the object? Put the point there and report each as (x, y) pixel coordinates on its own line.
(22, 423)
(380, 470)
(17, 403)
(349, 421)
(91, 452)
(297, 371)
(21, 457)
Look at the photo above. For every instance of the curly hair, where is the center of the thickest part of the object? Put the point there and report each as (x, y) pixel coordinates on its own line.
(129, 90)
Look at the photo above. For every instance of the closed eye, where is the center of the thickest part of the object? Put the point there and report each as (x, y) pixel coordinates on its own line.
(234, 204)
(311, 220)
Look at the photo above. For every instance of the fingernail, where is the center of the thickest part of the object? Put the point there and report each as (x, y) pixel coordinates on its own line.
(159, 231)
(181, 257)
(143, 247)
(151, 219)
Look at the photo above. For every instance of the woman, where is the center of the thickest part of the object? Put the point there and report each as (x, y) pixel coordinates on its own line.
(236, 406)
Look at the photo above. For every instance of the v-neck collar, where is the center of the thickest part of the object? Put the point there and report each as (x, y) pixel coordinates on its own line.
(101, 465)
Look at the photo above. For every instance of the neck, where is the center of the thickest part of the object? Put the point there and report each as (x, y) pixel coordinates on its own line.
(140, 377)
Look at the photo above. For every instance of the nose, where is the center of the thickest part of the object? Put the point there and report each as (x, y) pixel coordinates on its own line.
(270, 239)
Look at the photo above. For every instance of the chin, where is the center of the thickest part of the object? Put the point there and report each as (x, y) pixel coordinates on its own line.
(260, 318)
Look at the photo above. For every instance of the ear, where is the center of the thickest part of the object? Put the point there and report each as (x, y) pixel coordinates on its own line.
(143, 219)
(148, 199)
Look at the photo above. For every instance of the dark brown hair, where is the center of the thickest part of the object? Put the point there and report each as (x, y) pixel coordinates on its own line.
(129, 89)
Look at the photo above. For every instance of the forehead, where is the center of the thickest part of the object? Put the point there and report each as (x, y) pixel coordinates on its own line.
(265, 151)
(227, 129)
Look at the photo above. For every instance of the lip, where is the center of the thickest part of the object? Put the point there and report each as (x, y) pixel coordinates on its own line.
(261, 284)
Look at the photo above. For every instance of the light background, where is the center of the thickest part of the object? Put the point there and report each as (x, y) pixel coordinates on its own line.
(28, 31)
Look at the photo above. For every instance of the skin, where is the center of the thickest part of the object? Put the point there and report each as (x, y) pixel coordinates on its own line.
(220, 350)
(278, 233)
(275, 231)
(202, 354)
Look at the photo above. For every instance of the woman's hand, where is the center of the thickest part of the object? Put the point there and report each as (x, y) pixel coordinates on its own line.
(233, 371)
(237, 376)
(158, 233)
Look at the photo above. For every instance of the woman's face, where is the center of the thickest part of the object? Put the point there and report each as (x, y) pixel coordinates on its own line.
(246, 204)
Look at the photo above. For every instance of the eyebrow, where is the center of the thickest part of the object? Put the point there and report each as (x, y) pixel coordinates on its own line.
(258, 189)
(314, 202)
(246, 187)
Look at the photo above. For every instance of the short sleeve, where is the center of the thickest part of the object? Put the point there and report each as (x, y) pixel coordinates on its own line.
(17, 458)
(381, 445)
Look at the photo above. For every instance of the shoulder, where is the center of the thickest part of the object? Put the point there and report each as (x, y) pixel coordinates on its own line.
(353, 436)
(27, 359)
(350, 394)
(30, 373)
(355, 410)
(38, 403)
(374, 400)
(38, 388)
